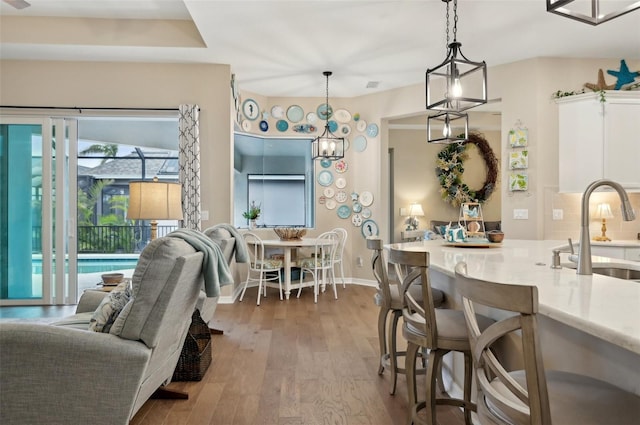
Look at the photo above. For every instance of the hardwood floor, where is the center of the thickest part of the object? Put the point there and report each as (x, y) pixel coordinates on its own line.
(292, 362)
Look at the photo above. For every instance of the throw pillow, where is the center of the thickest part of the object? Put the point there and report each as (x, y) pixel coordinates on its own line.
(110, 307)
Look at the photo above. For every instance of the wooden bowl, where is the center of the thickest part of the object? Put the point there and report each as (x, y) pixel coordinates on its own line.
(112, 278)
(495, 236)
(290, 233)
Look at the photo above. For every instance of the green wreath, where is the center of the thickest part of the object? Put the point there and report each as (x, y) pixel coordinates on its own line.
(450, 167)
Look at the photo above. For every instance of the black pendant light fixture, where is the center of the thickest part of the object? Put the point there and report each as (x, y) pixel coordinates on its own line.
(327, 145)
(463, 84)
(590, 12)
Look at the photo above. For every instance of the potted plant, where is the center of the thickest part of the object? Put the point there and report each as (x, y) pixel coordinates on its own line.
(252, 214)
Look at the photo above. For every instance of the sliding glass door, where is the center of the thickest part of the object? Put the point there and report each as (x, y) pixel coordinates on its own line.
(37, 226)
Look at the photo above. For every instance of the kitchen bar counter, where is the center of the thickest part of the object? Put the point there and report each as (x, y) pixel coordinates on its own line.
(586, 322)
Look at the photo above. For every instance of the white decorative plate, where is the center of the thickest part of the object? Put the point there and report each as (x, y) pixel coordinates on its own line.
(325, 178)
(330, 204)
(345, 130)
(295, 113)
(360, 144)
(246, 125)
(366, 213)
(250, 109)
(277, 112)
(366, 198)
(361, 126)
(341, 183)
(328, 192)
(341, 196)
(342, 115)
(312, 117)
(340, 166)
(356, 220)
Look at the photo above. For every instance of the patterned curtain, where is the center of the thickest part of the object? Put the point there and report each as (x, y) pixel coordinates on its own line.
(189, 125)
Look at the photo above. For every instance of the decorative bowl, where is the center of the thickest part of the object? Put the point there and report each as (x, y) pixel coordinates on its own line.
(495, 236)
(290, 233)
(112, 278)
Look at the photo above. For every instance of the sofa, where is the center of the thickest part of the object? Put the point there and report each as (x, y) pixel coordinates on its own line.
(66, 373)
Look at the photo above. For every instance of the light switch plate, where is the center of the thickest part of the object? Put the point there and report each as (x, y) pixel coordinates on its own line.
(204, 215)
(521, 214)
(558, 214)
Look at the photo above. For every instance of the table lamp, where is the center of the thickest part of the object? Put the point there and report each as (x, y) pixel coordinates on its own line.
(415, 211)
(604, 212)
(154, 200)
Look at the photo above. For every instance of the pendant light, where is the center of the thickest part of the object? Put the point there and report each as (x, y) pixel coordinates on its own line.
(328, 145)
(590, 13)
(465, 81)
(447, 127)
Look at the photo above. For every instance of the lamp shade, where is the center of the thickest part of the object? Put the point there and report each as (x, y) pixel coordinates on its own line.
(415, 210)
(603, 211)
(591, 12)
(447, 127)
(154, 200)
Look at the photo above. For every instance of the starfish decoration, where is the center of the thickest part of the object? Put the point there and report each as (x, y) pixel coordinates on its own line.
(624, 75)
(601, 85)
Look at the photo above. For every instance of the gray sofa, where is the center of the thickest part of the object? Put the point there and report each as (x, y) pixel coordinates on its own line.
(66, 374)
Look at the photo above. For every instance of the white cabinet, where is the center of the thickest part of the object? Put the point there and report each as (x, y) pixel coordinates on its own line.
(622, 252)
(599, 140)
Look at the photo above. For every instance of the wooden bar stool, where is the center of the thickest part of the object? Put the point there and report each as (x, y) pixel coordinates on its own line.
(438, 330)
(390, 300)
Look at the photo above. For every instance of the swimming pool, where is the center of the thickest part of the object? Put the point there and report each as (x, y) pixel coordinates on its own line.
(94, 265)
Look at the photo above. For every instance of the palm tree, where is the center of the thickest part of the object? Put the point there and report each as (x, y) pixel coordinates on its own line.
(107, 151)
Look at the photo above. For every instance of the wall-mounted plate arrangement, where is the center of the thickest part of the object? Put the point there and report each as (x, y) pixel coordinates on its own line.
(344, 211)
(250, 109)
(369, 228)
(295, 113)
(305, 128)
(325, 178)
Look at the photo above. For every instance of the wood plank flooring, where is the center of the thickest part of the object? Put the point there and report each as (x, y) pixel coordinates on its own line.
(292, 362)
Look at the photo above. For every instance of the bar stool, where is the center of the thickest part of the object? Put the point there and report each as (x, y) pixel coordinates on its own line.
(390, 300)
(438, 330)
(531, 396)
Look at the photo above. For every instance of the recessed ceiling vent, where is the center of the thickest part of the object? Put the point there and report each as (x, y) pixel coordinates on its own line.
(373, 84)
(18, 4)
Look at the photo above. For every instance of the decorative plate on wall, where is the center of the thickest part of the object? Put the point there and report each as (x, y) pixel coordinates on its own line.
(356, 220)
(357, 207)
(264, 126)
(366, 198)
(312, 117)
(330, 204)
(341, 183)
(325, 163)
(345, 129)
(342, 115)
(328, 192)
(250, 109)
(324, 111)
(372, 130)
(369, 228)
(361, 126)
(344, 211)
(325, 178)
(246, 125)
(366, 213)
(295, 113)
(277, 112)
(282, 125)
(340, 166)
(360, 144)
(341, 196)
(333, 126)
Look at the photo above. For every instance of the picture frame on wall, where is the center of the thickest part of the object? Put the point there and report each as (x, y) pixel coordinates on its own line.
(518, 137)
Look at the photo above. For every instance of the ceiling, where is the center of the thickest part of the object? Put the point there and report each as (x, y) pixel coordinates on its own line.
(280, 48)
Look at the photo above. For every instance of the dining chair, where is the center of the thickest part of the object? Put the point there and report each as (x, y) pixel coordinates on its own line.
(260, 270)
(390, 300)
(321, 263)
(339, 257)
(530, 396)
(438, 330)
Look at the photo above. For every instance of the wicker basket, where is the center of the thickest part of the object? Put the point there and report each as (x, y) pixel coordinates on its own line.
(195, 357)
(290, 233)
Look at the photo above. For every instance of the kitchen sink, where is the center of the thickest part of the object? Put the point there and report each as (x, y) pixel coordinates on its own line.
(619, 272)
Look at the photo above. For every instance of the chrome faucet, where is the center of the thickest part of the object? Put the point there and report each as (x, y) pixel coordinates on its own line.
(584, 258)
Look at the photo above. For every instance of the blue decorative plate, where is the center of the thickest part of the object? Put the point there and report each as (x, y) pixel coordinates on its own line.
(357, 207)
(372, 130)
(325, 178)
(295, 113)
(326, 163)
(324, 111)
(360, 144)
(333, 126)
(369, 228)
(264, 126)
(282, 125)
(344, 211)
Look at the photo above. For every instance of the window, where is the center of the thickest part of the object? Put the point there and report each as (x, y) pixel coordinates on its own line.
(276, 174)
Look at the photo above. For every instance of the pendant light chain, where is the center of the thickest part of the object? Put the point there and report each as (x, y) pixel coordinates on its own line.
(455, 20)
(446, 46)
(327, 102)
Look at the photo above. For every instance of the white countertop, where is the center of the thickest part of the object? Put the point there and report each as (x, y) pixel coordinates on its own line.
(602, 306)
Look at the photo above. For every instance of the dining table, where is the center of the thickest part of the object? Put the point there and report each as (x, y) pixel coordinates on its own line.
(290, 251)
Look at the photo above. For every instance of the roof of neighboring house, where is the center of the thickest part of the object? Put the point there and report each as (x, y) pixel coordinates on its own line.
(130, 167)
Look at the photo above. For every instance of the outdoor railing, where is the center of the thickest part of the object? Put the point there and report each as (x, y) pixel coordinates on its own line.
(109, 239)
